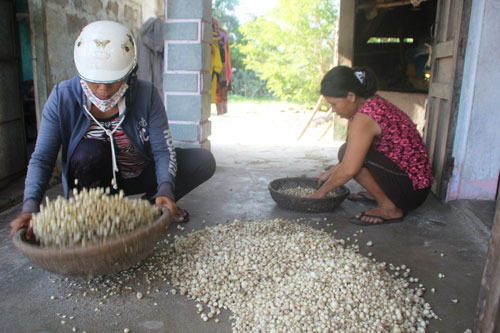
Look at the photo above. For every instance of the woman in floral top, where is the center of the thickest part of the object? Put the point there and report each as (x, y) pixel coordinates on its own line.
(384, 151)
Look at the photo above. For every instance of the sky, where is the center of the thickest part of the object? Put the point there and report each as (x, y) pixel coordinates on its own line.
(249, 8)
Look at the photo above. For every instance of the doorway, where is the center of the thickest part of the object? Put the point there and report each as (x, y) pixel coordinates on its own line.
(28, 91)
(13, 157)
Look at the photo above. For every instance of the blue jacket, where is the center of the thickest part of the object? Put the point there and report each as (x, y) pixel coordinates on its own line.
(64, 123)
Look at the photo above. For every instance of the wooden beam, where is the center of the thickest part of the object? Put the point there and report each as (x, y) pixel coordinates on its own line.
(330, 125)
(488, 307)
(444, 49)
(347, 14)
(387, 4)
(316, 109)
(440, 90)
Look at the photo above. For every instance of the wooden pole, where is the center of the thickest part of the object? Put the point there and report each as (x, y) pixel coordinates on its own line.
(331, 123)
(316, 109)
(326, 131)
(488, 307)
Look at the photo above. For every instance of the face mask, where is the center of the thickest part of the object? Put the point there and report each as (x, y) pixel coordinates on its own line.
(106, 104)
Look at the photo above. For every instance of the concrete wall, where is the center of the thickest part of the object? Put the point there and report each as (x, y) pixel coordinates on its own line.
(476, 147)
(152, 8)
(187, 78)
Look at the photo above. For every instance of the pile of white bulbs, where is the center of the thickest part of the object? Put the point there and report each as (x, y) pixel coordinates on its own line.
(90, 216)
(281, 276)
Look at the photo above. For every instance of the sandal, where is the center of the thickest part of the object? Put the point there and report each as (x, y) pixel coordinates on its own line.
(182, 215)
(357, 219)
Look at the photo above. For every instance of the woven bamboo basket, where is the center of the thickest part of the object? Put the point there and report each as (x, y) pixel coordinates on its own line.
(305, 204)
(112, 255)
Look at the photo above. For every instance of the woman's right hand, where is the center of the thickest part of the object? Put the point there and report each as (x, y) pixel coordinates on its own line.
(22, 221)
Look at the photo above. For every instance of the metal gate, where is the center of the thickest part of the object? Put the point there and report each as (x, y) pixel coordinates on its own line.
(12, 137)
(450, 37)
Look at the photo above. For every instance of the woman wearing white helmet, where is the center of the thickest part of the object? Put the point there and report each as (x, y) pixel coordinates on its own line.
(112, 129)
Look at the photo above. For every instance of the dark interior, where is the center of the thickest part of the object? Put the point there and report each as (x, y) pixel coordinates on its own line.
(393, 38)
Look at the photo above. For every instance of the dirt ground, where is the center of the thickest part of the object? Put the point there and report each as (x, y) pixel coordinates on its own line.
(271, 124)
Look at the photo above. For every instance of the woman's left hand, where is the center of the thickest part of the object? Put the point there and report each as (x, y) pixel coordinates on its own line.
(163, 201)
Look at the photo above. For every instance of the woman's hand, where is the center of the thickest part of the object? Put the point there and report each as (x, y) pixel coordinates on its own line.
(22, 221)
(324, 176)
(163, 201)
(316, 195)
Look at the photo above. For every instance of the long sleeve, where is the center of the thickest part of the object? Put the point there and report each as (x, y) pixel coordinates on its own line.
(162, 147)
(44, 157)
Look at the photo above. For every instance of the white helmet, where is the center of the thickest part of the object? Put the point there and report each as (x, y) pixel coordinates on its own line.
(105, 52)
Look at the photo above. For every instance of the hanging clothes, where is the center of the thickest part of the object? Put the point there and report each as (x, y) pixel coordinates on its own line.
(150, 45)
(224, 79)
(216, 68)
(223, 41)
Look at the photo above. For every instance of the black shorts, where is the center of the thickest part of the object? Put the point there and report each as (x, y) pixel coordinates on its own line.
(91, 165)
(394, 182)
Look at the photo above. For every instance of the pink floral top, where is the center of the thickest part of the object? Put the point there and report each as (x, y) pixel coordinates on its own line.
(399, 140)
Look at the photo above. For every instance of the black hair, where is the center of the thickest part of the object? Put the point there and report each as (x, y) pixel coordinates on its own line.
(341, 80)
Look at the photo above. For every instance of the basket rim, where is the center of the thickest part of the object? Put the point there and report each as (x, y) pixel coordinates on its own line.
(69, 252)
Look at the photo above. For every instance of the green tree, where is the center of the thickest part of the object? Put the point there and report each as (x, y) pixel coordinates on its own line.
(292, 47)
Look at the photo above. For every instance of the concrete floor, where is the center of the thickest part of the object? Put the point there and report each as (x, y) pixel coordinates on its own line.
(239, 190)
